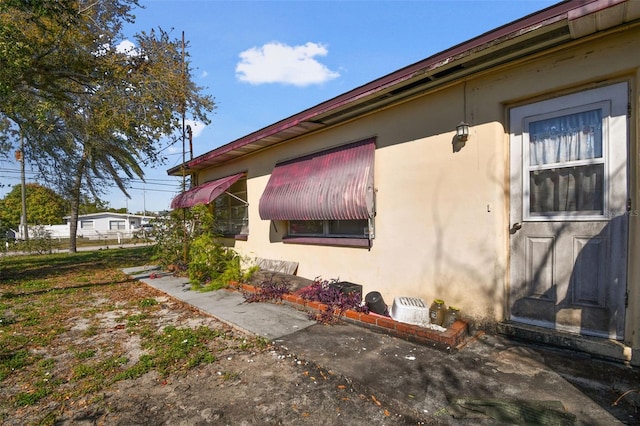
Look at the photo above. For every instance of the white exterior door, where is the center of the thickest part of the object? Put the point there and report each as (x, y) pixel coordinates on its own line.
(568, 212)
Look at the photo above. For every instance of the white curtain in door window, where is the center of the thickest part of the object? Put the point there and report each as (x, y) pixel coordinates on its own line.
(569, 189)
(567, 138)
(560, 186)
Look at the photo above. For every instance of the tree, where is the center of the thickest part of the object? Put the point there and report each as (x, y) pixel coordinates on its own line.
(93, 205)
(45, 207)
(35, 62)
(93, 113)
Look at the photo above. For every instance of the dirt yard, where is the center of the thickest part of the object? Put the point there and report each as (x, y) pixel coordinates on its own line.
(105, 350)
(243, 386)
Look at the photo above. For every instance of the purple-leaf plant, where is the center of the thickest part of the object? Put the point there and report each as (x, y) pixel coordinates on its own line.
(269, 289)
(336, 301)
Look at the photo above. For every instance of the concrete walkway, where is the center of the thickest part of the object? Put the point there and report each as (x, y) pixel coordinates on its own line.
(263, 319)
(491, 380)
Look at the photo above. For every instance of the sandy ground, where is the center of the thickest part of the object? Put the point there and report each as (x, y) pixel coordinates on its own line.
(246, 384)
(244, 389)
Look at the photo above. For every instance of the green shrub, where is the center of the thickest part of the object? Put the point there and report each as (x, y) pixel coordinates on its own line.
(40, 241)
(213, 266)
(169, 249)
(208, 264)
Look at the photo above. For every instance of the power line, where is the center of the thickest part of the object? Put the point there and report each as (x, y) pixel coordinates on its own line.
(153, 187)
(149, 189)
(149, 180)
(16, 171)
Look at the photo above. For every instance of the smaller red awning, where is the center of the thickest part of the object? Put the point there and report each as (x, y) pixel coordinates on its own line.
(205, 193)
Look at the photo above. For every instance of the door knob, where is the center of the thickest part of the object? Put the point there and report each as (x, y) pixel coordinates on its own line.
(515, 228)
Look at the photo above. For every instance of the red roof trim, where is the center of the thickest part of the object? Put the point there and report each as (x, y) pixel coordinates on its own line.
(591, 7)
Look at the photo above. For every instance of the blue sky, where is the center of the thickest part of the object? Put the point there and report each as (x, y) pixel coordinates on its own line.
(264, 61)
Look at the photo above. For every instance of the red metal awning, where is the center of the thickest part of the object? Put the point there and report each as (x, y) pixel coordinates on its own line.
(205, 193)
(336, 184)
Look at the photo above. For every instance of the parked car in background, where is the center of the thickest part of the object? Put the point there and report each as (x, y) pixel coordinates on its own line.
(146, 230)
(145, 227)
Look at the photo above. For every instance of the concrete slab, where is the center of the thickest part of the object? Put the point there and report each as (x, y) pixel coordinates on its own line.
(436, 385)
(263, 319)
(143, 271)
(429, 381)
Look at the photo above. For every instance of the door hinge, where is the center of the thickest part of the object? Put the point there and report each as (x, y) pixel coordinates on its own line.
(626, 299)
(629, 110)
(629, 205)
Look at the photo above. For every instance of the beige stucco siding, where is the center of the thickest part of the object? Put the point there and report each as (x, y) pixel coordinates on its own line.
(436, 233)
(442, 216)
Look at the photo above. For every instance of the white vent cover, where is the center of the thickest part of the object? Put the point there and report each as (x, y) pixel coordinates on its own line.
(410, 310)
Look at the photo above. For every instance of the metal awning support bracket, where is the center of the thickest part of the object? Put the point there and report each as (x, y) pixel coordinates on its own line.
(237, 198)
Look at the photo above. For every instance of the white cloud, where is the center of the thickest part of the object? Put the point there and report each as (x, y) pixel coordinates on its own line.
(128, 48)
(204, 74)
(278, 63)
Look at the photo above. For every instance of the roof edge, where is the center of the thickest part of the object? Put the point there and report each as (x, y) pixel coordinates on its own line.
(566, 10)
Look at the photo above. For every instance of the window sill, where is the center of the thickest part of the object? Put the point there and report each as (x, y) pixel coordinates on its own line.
(328, 241)
(237, 237)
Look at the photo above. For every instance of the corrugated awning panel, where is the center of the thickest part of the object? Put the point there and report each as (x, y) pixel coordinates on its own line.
(336, 184)
(205, 193)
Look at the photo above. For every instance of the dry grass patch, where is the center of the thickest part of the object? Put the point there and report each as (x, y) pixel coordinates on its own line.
(72, 326)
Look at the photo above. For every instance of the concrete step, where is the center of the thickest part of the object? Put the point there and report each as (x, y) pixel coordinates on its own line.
(610, 349)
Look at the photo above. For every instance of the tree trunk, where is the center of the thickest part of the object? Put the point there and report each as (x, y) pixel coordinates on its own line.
(73, 225)
(74, 195)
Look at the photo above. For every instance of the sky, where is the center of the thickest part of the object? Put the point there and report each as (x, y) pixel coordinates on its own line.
(263, 61)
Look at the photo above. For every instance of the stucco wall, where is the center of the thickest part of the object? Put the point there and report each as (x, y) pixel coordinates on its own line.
(442, 222)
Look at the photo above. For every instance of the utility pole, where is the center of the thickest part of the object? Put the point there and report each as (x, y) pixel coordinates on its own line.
(23, 216)
(185, 254)
(190, 133)
(184, 107)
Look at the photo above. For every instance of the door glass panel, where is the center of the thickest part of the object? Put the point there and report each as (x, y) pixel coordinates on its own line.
(569, 189)
(567, 138)
(566, 166)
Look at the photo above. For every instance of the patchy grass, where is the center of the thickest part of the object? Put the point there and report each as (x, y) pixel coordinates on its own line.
(72, 325)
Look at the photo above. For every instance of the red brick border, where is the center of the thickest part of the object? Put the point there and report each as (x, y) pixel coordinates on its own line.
(447, 340)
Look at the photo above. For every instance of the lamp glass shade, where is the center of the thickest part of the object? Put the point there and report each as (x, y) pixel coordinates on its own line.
(462, 130)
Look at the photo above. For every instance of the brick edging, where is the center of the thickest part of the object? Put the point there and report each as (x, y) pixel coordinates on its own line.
(447, 340)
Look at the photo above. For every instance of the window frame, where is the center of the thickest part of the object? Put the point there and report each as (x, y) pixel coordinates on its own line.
(234, 198)
(527, 168)
(118, 222)
(326, 229)
(329, 239)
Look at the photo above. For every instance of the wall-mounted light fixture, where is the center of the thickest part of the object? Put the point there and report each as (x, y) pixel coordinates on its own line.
(462, 131)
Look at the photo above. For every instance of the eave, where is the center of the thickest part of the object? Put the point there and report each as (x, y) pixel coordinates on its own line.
(534, 33)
